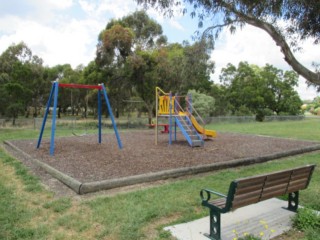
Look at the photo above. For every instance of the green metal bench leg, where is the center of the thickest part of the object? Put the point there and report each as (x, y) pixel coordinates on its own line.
(293, 201)
(215, 225)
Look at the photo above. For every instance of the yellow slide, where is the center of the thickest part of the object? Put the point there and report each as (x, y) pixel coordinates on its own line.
(202, 130)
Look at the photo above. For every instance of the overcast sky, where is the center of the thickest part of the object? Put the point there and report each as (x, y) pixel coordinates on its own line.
(66, 31)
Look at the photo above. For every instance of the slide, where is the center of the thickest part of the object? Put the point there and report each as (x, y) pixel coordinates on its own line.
(200, 129)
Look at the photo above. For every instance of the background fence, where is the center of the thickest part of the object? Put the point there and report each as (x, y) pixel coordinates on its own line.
(130, 122)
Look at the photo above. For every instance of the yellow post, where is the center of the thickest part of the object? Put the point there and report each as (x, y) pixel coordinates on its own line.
(156, 127)
(159, 112)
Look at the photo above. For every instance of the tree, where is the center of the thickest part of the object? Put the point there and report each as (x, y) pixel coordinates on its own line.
(183, 67)
(21, 80)
(203, 103)
(196, 67)
(222, 105)
(148, 33)
(114, 45)
(286, 21)
(314, 106)
(15, 95)
(121, 39)
(282, 97)
(145, 77)
(133, 56)
(262, 91)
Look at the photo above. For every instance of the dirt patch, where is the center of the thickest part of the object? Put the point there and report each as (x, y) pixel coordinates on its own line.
(83, 159)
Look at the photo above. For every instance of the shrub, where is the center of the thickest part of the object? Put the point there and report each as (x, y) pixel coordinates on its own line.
(306, 219)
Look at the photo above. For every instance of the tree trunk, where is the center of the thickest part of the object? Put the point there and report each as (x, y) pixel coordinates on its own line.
(312, 77)
(59, 111)
(13, 120)
(150, 107)
(35, 113)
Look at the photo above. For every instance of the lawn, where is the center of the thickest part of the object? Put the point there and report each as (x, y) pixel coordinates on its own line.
(29, 211)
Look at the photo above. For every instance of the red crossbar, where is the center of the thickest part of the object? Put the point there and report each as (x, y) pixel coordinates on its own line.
(74, 85)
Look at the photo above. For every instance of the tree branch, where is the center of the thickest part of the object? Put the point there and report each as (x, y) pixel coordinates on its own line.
(311, 76)
(217, 26)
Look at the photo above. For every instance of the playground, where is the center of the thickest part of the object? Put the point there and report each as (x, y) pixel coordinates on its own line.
(105, 166)
(86, 165)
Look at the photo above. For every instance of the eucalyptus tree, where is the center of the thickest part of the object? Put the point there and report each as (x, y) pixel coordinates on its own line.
(121, 39)
(145, 76)
(21, 78)
(286, 21)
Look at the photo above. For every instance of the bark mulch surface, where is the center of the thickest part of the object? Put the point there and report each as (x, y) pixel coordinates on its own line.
(84, 159)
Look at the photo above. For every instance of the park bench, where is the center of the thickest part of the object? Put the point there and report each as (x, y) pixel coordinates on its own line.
(250, 190)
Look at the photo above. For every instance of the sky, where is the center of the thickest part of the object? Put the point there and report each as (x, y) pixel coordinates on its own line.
(66, 31)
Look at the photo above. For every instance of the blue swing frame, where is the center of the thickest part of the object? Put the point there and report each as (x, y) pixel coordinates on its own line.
(54, 94)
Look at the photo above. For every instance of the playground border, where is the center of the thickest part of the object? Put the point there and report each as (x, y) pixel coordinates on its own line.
(89, 187)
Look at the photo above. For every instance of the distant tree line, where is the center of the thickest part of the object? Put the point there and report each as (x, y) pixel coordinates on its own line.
(132, 58)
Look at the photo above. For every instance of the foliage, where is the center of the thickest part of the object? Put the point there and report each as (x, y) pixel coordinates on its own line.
(312, 233)
(306, 218)
(285, 21)
(314, 106)
(21, 78)
(248, 237)
(203, 103)
(133, 57)
(262, 91)
(145, 77)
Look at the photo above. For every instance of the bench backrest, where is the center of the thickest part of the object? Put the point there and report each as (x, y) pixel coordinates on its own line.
(251, 190)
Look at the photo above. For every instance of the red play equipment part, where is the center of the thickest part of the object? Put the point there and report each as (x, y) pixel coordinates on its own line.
(54, 96)
(74, 85)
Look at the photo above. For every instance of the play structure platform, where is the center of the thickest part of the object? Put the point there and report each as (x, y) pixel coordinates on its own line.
(185, 119)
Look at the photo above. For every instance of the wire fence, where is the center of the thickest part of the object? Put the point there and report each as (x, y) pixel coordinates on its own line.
(74, 123)
(131, 122)
(247, 119)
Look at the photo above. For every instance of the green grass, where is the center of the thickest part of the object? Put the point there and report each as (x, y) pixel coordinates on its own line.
(11, 133)
(181, 198)
(135, 215)
(307, 129)
(14, 214)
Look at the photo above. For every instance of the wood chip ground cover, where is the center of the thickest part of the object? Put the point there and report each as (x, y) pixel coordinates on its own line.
(84, 159)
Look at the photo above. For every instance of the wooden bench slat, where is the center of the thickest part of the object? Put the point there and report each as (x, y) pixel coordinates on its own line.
(274, 182)
(271, 188)
(304, 175)
(239, 197)
(298, 181)
(244, 182)
(244, 202)
(274, 193)
(305, 169)
(242, 190)
(221, 202)
(297, 187)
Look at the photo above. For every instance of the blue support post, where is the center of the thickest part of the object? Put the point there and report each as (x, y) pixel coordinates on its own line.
(54, 113)
(170, 119)
(46, 115)
(111, 116)
(175, 124)
(189, 98)
(99, 114)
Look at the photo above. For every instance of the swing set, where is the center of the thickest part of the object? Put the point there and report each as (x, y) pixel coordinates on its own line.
(74, 120)
(54, 94)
